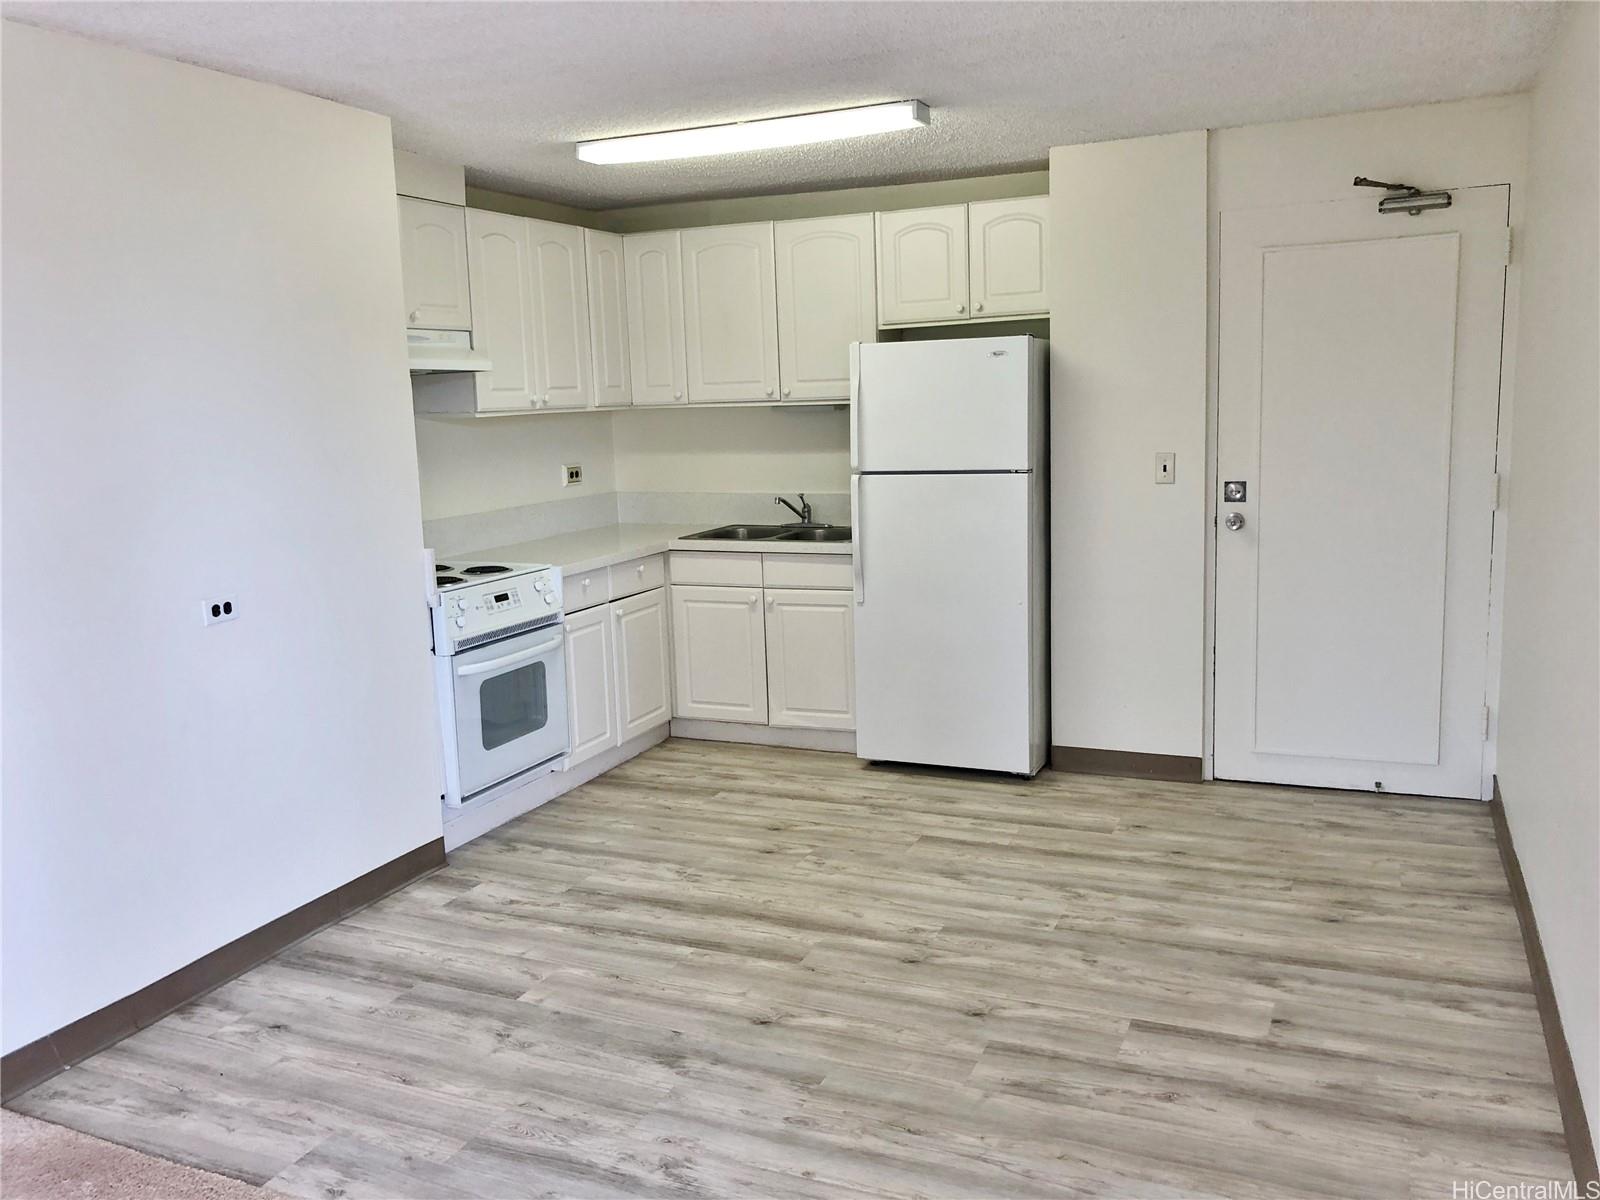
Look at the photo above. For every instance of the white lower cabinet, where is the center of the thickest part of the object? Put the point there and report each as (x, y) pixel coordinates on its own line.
(779, 652)
(810, 659)
(592, 716)
(643, 673)
(618, 673)
(719, 649)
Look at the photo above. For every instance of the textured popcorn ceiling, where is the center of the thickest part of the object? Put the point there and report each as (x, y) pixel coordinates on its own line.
(506, 88)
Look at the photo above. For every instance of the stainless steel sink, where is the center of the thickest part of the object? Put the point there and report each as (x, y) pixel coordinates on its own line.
(737, 533)
(773, 533)
(828, 533)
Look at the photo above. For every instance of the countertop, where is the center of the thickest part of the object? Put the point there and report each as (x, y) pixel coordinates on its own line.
(605, 545)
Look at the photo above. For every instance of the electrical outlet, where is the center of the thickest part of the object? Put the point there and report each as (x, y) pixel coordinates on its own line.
(571, 474)
(1166, 467)
(218, 611)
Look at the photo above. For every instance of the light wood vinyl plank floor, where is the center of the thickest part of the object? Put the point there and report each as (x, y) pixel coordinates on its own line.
(740, 971)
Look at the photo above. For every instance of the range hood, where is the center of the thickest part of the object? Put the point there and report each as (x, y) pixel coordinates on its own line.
(434, 351)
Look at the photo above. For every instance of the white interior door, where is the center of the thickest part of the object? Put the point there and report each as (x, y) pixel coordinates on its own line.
(1359, 377)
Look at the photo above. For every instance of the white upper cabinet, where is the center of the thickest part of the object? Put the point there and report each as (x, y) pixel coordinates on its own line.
(563, 366)
(502, 301)
(827, 298)
(730, 313)
(608, 318)
(653, 274)
(922, 265)
(433, 264)
(1007, 256)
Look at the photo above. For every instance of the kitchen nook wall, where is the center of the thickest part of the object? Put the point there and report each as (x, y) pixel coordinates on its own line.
(205, 398)
(1550, 689)
(1131, 622)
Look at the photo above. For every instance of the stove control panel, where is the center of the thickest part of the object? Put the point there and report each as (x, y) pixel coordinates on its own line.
(472, 610)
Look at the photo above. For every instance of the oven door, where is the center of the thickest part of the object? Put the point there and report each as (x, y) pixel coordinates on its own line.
(510, 706)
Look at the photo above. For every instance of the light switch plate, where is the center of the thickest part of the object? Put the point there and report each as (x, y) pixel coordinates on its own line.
(1166, 467)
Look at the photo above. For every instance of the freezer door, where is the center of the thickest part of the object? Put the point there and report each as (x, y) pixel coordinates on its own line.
(962, 405)
(943, 646)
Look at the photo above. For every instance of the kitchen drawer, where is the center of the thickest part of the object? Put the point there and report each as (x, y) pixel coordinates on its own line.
(806, 571)
(637, 575)
(716, 570)
(585, 589)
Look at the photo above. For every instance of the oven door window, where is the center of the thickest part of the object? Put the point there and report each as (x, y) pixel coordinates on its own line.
(513, 705)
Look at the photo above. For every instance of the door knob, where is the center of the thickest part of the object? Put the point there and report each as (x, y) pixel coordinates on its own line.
(1234, 521)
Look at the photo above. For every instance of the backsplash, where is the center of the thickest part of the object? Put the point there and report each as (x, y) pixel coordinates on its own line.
(528, 522)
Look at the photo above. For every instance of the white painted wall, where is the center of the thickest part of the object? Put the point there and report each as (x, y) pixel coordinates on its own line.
(1550, 689)
(481, 465)
(205, 395)
(803, 449)
(1130, 603)
(1127, 277)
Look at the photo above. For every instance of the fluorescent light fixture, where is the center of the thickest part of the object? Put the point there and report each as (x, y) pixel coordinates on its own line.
(799, 130)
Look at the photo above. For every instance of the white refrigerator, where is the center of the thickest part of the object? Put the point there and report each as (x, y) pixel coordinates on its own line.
(947, 499)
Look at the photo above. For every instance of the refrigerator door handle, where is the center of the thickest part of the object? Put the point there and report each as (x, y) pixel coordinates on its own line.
(855, 405)
(858, 577)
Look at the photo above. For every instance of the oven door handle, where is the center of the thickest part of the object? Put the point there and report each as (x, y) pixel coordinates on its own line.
(509, 660)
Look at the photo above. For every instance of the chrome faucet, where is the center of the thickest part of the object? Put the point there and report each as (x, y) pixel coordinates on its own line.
(803, 512)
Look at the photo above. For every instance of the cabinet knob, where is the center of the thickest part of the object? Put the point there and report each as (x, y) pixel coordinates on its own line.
(977, 308)
(640, 569)
(677, 395)
(771, 603)
(412, 316)
(752, 601)
(769, 391)
(961, 308)
(585, 583)
(785, 391)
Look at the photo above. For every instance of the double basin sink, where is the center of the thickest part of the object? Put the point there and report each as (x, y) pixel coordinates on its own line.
(773, 533)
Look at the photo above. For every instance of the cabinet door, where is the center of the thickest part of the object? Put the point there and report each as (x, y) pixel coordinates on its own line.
(644, 698)
(563, 367)
(653, 277)
(608, 318)
(591, 696)
(922, 265)
(827, 298)
(433, 264)
(1007, 257)
(811, 659)
(502, 305)
(719, 654)
(730, 313)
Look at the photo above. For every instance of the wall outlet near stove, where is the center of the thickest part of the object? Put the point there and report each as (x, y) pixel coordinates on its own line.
(571, 474)
(218, 611)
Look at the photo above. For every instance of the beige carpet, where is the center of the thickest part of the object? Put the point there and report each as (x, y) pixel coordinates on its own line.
(40, 1161)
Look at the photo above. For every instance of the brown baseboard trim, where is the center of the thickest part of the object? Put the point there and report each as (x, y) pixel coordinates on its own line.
(32, 1064)
(1127, 764)
(1579, 1142)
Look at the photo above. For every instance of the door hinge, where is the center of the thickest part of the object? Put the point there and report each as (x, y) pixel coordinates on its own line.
(1495, 492)
(1486, 722)
(1508, 246)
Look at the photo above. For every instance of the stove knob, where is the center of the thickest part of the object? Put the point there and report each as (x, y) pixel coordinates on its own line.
(550, 601)
(461, 622)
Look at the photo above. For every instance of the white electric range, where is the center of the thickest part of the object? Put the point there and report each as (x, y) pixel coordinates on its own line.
(499, 648)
